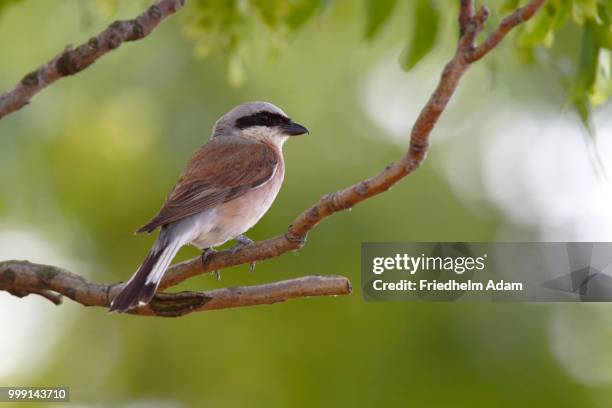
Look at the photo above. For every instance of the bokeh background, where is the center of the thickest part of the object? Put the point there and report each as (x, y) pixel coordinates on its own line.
(93, 156)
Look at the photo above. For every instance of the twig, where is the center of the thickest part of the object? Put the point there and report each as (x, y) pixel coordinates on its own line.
(466, 13)
(22, 278)
(519, 16)
(72, 61)
(15, 277)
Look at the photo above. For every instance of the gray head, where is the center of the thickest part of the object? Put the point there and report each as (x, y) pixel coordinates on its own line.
(257, 120)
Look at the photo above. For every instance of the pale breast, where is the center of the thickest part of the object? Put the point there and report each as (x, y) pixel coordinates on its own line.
(239, 215)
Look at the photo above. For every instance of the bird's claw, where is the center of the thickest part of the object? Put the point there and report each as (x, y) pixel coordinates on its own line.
(206, 253)
(241, 241)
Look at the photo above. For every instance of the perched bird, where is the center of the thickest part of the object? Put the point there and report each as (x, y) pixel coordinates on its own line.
(227, 186)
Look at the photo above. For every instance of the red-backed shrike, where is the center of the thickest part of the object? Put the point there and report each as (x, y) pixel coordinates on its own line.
(227, 186)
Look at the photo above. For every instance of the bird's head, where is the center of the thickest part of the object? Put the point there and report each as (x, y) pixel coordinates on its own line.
(261, 121)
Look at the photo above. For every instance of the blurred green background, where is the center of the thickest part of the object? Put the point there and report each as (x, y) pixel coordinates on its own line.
(92, 158)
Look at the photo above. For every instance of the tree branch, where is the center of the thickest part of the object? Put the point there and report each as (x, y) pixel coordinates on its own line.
(23, 278)
(72, 61)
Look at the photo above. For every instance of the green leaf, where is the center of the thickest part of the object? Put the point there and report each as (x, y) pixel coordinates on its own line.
(584, 10)
(280, 14)
(586, 75)
(561, 12)
(269, 10)
(539, 31)
(377, 13)
(424, 34)
(603, 31)
(602, 88)
(301, 12)
(509, 6)
(236, 74)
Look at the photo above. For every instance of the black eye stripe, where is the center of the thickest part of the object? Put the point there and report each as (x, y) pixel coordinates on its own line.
(262, 118)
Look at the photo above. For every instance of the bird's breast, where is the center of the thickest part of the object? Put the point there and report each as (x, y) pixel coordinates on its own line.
(237, 216)
(244, 212)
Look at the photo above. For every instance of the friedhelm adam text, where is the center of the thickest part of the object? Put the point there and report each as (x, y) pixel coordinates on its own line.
(450, 285)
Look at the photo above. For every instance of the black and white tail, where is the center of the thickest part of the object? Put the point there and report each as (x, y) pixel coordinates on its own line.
(141, 287)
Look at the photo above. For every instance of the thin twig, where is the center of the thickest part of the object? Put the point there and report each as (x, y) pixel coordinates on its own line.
(466, 13)
(72, 61)
(519, 16)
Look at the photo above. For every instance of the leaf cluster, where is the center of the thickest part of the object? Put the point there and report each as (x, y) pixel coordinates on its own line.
(225, 27)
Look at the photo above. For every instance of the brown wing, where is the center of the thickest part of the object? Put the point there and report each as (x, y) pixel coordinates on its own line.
(220, 171)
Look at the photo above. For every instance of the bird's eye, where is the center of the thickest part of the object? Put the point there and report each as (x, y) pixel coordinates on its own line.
(259, 119)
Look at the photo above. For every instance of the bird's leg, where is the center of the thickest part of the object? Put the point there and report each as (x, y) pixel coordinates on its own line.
(205, 254)
(243, 240)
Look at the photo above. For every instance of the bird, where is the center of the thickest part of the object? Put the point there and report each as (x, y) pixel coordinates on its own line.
(225, 189)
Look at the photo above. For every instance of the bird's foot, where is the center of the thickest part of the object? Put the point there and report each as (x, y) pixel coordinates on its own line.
(206, 253)
(241, 241)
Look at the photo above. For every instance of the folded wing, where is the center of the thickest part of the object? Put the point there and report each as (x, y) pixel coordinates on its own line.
(221, 171)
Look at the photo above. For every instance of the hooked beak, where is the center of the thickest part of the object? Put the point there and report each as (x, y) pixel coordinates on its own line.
(293, 129)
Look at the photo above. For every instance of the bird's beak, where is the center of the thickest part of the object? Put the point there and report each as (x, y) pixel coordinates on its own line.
(293, 129)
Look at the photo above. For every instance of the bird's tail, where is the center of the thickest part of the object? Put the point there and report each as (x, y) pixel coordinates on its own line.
(141, 287)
